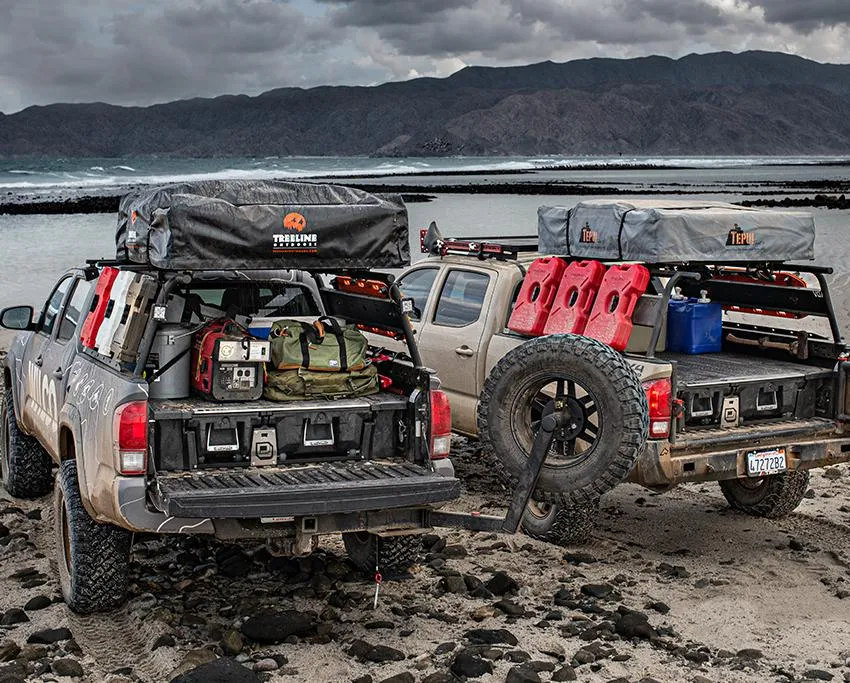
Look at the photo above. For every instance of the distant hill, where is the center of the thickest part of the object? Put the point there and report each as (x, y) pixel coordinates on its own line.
(720, 103)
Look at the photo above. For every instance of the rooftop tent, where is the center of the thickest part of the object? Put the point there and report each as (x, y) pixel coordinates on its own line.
(673, 231)
(241, 224)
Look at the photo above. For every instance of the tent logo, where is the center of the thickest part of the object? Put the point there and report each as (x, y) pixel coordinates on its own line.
(588, 236)
(740, 238)
(294, 221)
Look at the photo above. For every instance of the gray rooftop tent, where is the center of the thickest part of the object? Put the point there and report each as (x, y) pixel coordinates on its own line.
(674, 231)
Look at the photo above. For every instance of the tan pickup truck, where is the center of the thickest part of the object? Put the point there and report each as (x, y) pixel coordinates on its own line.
(754, 417)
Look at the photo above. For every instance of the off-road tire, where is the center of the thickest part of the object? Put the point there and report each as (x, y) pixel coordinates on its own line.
(621, 404)
(561, 524)
(774, 496)
(93, 558)
(392, 553)
(27, 469)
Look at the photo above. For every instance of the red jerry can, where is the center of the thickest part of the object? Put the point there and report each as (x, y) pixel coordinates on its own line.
(536, 296)
(574, 300)
(98, 306)
(611, 318)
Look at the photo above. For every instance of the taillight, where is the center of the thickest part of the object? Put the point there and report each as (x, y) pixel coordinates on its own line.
(441, 425)
(130, 437)
(659, 396)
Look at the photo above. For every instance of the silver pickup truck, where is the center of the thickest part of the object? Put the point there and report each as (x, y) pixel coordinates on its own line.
(754, 417)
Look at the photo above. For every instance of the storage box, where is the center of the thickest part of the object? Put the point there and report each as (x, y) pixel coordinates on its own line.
(694, 326)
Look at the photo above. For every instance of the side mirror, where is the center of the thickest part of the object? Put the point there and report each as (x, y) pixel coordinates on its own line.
(17, 318)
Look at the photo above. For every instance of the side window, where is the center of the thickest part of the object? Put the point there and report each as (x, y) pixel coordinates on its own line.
(74, 309)
(462, 298)
(417, 285)
(54, 303)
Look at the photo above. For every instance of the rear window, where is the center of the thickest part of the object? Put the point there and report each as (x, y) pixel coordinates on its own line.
(265, 300)
(417, 285)
(461, 298)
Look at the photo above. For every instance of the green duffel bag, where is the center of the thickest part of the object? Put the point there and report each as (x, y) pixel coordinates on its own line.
(300, 384)
(324, 346)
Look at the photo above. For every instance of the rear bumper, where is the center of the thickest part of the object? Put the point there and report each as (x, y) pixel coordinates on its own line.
(662, 464)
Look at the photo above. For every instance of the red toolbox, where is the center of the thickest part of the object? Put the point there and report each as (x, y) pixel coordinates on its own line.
(227, 363)
(536, 296)
(574, 300)
(98, 307)
(611, 318)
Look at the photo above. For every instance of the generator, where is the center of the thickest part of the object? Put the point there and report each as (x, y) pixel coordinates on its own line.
(228, 363)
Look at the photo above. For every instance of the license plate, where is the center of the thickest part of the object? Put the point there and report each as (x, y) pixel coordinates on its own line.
(276, 520)
(763, 463)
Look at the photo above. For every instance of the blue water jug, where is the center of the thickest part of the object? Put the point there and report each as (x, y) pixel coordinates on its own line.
(694, 325)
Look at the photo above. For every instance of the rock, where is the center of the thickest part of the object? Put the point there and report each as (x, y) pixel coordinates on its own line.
(272, 628)
(439, 677)
(444, 648)
(33, 652)
(501, 583)
(34, 514)
(38, 602)
(454, 584)
(832, 473)
(469, 665)
(794, 544)
(231, 642)
(380, 624)
(509, 607)
(9, 649)
(67, 667)
(364, 651)
(631, 624)
(520, 674)
(673, 571)
(565, 673)
(163, 640)
(696, 656)
(750, 653)
(14, 616)
(600, 591)
(660, 607)
(192, 660)
(267, 664)
(490, 636)
(455, 550)
(819, 675)
(222, 670)
(49, 636)
(809, 494)
(579, 558)
(233, 561)
(363, 679)
(4, 530)
(404, 677)
(648, 679)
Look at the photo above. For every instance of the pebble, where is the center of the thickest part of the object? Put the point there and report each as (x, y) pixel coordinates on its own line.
(510, 608)
(272, 628)
(750, 653)
(520, 674)
(632, 624)
(600, 591)
(404, 677)
(378, 654)
(49, 636)
(14, 616)
(231, 642)
(660, 607)
(501, 583)
(490, 636)
(9, 649)
(267, 664)
(819, 675)
(67, 667)
(38, 602)
(469, 665)
(224, 670)
(565, 673)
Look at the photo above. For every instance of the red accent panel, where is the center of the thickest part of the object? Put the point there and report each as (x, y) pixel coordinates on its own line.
(611, 318)
(781, 279)
(575, 297)
(98, 307)
(536, 296)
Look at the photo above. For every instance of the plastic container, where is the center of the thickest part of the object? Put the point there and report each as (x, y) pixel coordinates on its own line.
(536, 295)
(694, 325)
(171, 341)
(574, 300)
(611, 317)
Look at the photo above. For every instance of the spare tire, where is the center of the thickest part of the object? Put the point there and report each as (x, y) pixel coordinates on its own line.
(598, 393)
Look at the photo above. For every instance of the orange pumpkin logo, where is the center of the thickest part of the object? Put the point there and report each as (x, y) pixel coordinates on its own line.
(294, 221)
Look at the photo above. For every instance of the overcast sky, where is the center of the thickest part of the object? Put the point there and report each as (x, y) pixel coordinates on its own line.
(147, 51)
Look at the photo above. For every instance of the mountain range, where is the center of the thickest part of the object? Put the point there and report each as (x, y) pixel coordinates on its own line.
(719, 103)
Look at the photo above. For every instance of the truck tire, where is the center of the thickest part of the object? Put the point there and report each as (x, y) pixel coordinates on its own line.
(93, 558)
(26, 468)
(391, 553)
(599, 392)
(560, 524)
(773, 496)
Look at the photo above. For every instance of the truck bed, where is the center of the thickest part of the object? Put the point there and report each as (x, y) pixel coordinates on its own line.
(711, 369)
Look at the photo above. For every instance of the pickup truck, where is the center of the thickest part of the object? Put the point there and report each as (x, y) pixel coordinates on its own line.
(129, 462)
(755, 417)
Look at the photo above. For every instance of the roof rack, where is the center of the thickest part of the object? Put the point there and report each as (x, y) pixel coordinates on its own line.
(480, 247)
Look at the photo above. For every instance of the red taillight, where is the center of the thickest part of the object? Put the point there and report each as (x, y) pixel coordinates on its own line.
(130, 437)
(659, 396)
(441, 425)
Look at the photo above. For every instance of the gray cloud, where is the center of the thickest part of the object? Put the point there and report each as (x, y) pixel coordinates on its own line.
(132, 52)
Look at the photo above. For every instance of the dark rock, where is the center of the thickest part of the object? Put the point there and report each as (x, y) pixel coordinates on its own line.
(579, 558)
(4, 530)
(750, 653)
(809, 494)
(14, 616)
(660, 607)
(444, 648)
(67, 667)
(598, 590)
(164, 640)
(490, 636)
(470, 666)
(373, 625)
(501, 583)
(794, 544)
(696, 656)
(521, 674)
(363, 679)
(364, 651)
(673, 571)
(564, 597)
(439, 677)
(9, 649)
(630, 624)
(509, 607)
(233, 561)
(648, 679)
(454, 550)
(38, 602)
(404, 677)
(819, 675)
(231, 642)
(222, 670)
(275, 627)
(453, 584)
(565, 673)
(34, 514)
(49, 636)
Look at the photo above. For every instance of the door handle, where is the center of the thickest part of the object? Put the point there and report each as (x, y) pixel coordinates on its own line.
(38, 361)
(464, 351)
(58, 373)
